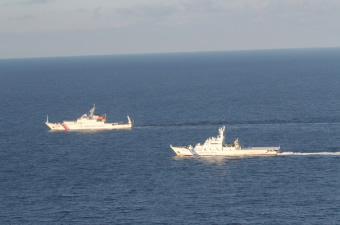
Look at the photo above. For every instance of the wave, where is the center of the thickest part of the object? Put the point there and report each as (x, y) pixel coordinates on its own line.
(228, 123)
(176, 125)
(309, 153)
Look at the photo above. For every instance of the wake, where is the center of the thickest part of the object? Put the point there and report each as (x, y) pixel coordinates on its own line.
(311, 153)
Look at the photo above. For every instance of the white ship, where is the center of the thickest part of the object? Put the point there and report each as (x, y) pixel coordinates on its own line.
(216, 147)
(89, 122)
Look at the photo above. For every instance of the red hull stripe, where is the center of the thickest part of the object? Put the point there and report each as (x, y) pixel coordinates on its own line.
(64, 126)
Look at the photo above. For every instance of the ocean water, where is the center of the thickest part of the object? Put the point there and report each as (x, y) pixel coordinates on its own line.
(288, 98)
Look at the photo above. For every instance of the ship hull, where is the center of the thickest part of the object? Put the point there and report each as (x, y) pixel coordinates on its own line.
(91, 122)
(258, 151)
(215, 146)
(81, 126)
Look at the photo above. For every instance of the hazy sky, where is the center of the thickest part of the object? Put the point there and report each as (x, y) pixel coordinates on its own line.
(40, 28)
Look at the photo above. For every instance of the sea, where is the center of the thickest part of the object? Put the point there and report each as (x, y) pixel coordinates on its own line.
(288, 98)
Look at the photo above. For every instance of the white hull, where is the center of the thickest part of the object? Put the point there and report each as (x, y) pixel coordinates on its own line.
(217, 147)
(80, 126)
(185, 151)
(91, 122)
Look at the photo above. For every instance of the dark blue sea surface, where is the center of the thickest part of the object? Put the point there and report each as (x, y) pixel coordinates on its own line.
(288, 98)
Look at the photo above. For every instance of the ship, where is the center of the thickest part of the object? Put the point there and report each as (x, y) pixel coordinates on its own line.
(89, 122)
(215, 146)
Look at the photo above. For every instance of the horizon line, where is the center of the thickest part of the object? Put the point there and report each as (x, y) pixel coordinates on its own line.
(182, 52)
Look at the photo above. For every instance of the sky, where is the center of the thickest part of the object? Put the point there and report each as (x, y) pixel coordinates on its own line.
(49, 28)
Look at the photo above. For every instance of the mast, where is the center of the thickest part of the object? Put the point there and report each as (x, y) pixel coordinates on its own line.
(92, 111)
(221, 130)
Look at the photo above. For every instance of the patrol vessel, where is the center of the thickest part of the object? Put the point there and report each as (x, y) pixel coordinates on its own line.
(89, 122)
(215, 146)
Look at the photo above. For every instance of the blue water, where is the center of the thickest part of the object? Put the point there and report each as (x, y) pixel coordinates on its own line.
(287, 98)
